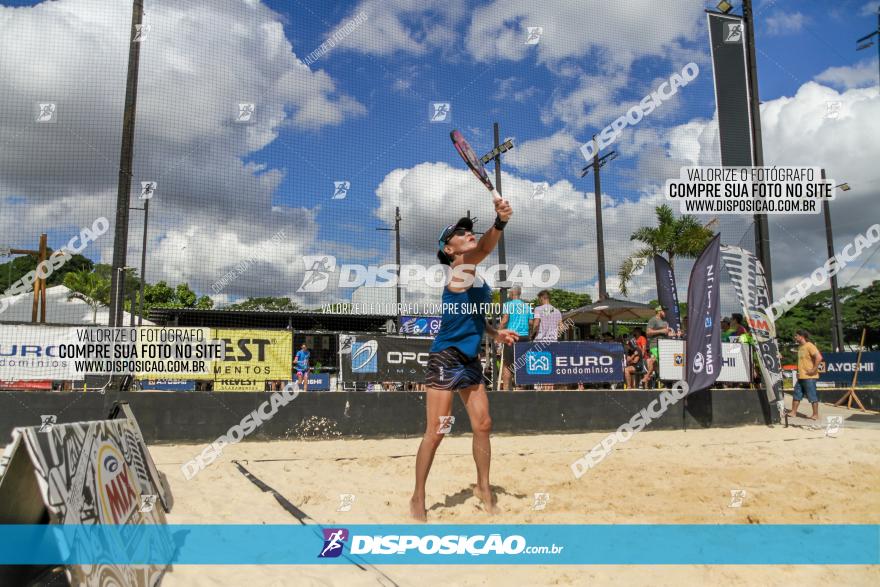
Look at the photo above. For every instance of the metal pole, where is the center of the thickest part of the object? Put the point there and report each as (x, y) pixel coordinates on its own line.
(133, 302)
(762, 229)
(502, 253)
(143, 265)
(836, 319)
(600, 238)
(120, 284)
(123, 194)
(397, 256)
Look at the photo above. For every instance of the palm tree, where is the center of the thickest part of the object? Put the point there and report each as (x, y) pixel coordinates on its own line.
(90, 287)
(674, 237)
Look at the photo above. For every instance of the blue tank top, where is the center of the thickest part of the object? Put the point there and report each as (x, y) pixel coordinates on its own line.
(463, 324)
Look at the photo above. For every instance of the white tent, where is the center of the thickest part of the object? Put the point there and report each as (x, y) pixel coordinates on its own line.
(59, 310)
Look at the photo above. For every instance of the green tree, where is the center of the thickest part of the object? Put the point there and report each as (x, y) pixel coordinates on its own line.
(18, 267)
(813, 314)
(862, 311)
(267, 304)
(131, 280)
(184, 295)
(181, 296)
(204, 303)
(90, 287)
(672, 237)
(159, 294)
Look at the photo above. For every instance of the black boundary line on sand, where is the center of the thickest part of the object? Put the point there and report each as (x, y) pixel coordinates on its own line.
(307, 520)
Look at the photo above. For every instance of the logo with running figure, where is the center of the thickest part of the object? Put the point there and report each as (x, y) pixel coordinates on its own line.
(534, 35)
(46, 112)
(340, 190)
(334, 541)
(47, 422)
(733, 32)
(317, 275)
(539, 363)
(441, 112)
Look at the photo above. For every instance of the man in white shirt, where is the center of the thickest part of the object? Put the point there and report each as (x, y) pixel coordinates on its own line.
(548, 319)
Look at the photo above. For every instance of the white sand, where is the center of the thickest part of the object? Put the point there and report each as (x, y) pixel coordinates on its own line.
(790, 476)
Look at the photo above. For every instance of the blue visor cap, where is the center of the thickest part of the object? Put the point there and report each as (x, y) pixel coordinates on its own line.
(463, 223)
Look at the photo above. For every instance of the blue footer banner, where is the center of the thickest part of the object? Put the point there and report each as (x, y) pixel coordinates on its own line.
(827, 544)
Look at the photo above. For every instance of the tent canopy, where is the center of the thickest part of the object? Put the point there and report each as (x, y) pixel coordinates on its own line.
(609, 310)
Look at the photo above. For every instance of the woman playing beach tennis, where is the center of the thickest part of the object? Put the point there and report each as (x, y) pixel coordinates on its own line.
(454, 364)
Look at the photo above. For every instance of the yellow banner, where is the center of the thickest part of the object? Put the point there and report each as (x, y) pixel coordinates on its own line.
(259, 355)
(252, 358)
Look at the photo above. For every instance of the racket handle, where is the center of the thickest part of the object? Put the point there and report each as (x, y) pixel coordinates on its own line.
(495, 193)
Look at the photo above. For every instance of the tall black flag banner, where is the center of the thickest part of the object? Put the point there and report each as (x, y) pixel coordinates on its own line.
(703, 352)
(747, 275)
(727, 40)
(667, 295)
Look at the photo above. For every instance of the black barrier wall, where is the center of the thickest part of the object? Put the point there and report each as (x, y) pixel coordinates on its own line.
(202, 417)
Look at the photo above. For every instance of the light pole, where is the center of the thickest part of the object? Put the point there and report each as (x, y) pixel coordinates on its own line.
(126, 155)
(396, 230)
(836, 315)
(865, 42)
(146, 196)
(599, 162)
(762, 228)
(495, 154)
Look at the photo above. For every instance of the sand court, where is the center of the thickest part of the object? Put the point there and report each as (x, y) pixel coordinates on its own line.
(797, 475)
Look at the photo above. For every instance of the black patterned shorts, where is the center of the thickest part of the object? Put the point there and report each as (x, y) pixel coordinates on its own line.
(453, 370)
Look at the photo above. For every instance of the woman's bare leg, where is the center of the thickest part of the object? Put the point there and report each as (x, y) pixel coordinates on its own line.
(438, 402)
(477, 403)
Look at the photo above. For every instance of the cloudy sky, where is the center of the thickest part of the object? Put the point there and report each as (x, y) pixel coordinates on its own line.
(360, 112)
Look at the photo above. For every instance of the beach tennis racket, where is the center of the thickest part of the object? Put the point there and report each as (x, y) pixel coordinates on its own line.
(472, 161)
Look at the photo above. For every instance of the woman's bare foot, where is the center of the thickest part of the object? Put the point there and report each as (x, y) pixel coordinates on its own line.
(812, 417)
(487, 499)
(417, 509)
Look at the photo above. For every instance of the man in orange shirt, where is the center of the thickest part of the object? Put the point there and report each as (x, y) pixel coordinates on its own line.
(641, 341)
(808, 361)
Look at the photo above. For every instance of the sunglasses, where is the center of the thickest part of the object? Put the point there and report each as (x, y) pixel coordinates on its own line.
(452, 231)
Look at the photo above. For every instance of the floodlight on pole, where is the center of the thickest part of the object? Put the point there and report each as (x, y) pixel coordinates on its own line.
(396, 231)
(598, 163)
(836, 312)
(865, 42)
(502, 148)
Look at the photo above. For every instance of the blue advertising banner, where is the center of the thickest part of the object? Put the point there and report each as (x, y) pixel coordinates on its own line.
(842, 366)
(568, 362)
(703, 350)
(667, 294)
(318, 382)
(420, 325)
(168, 384)
(475, 544)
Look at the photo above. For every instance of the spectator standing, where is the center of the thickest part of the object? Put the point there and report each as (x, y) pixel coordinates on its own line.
(808, 361)
(303, 366)
(657, 327)
(547, 318)
(518, 317)
(547, 321)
